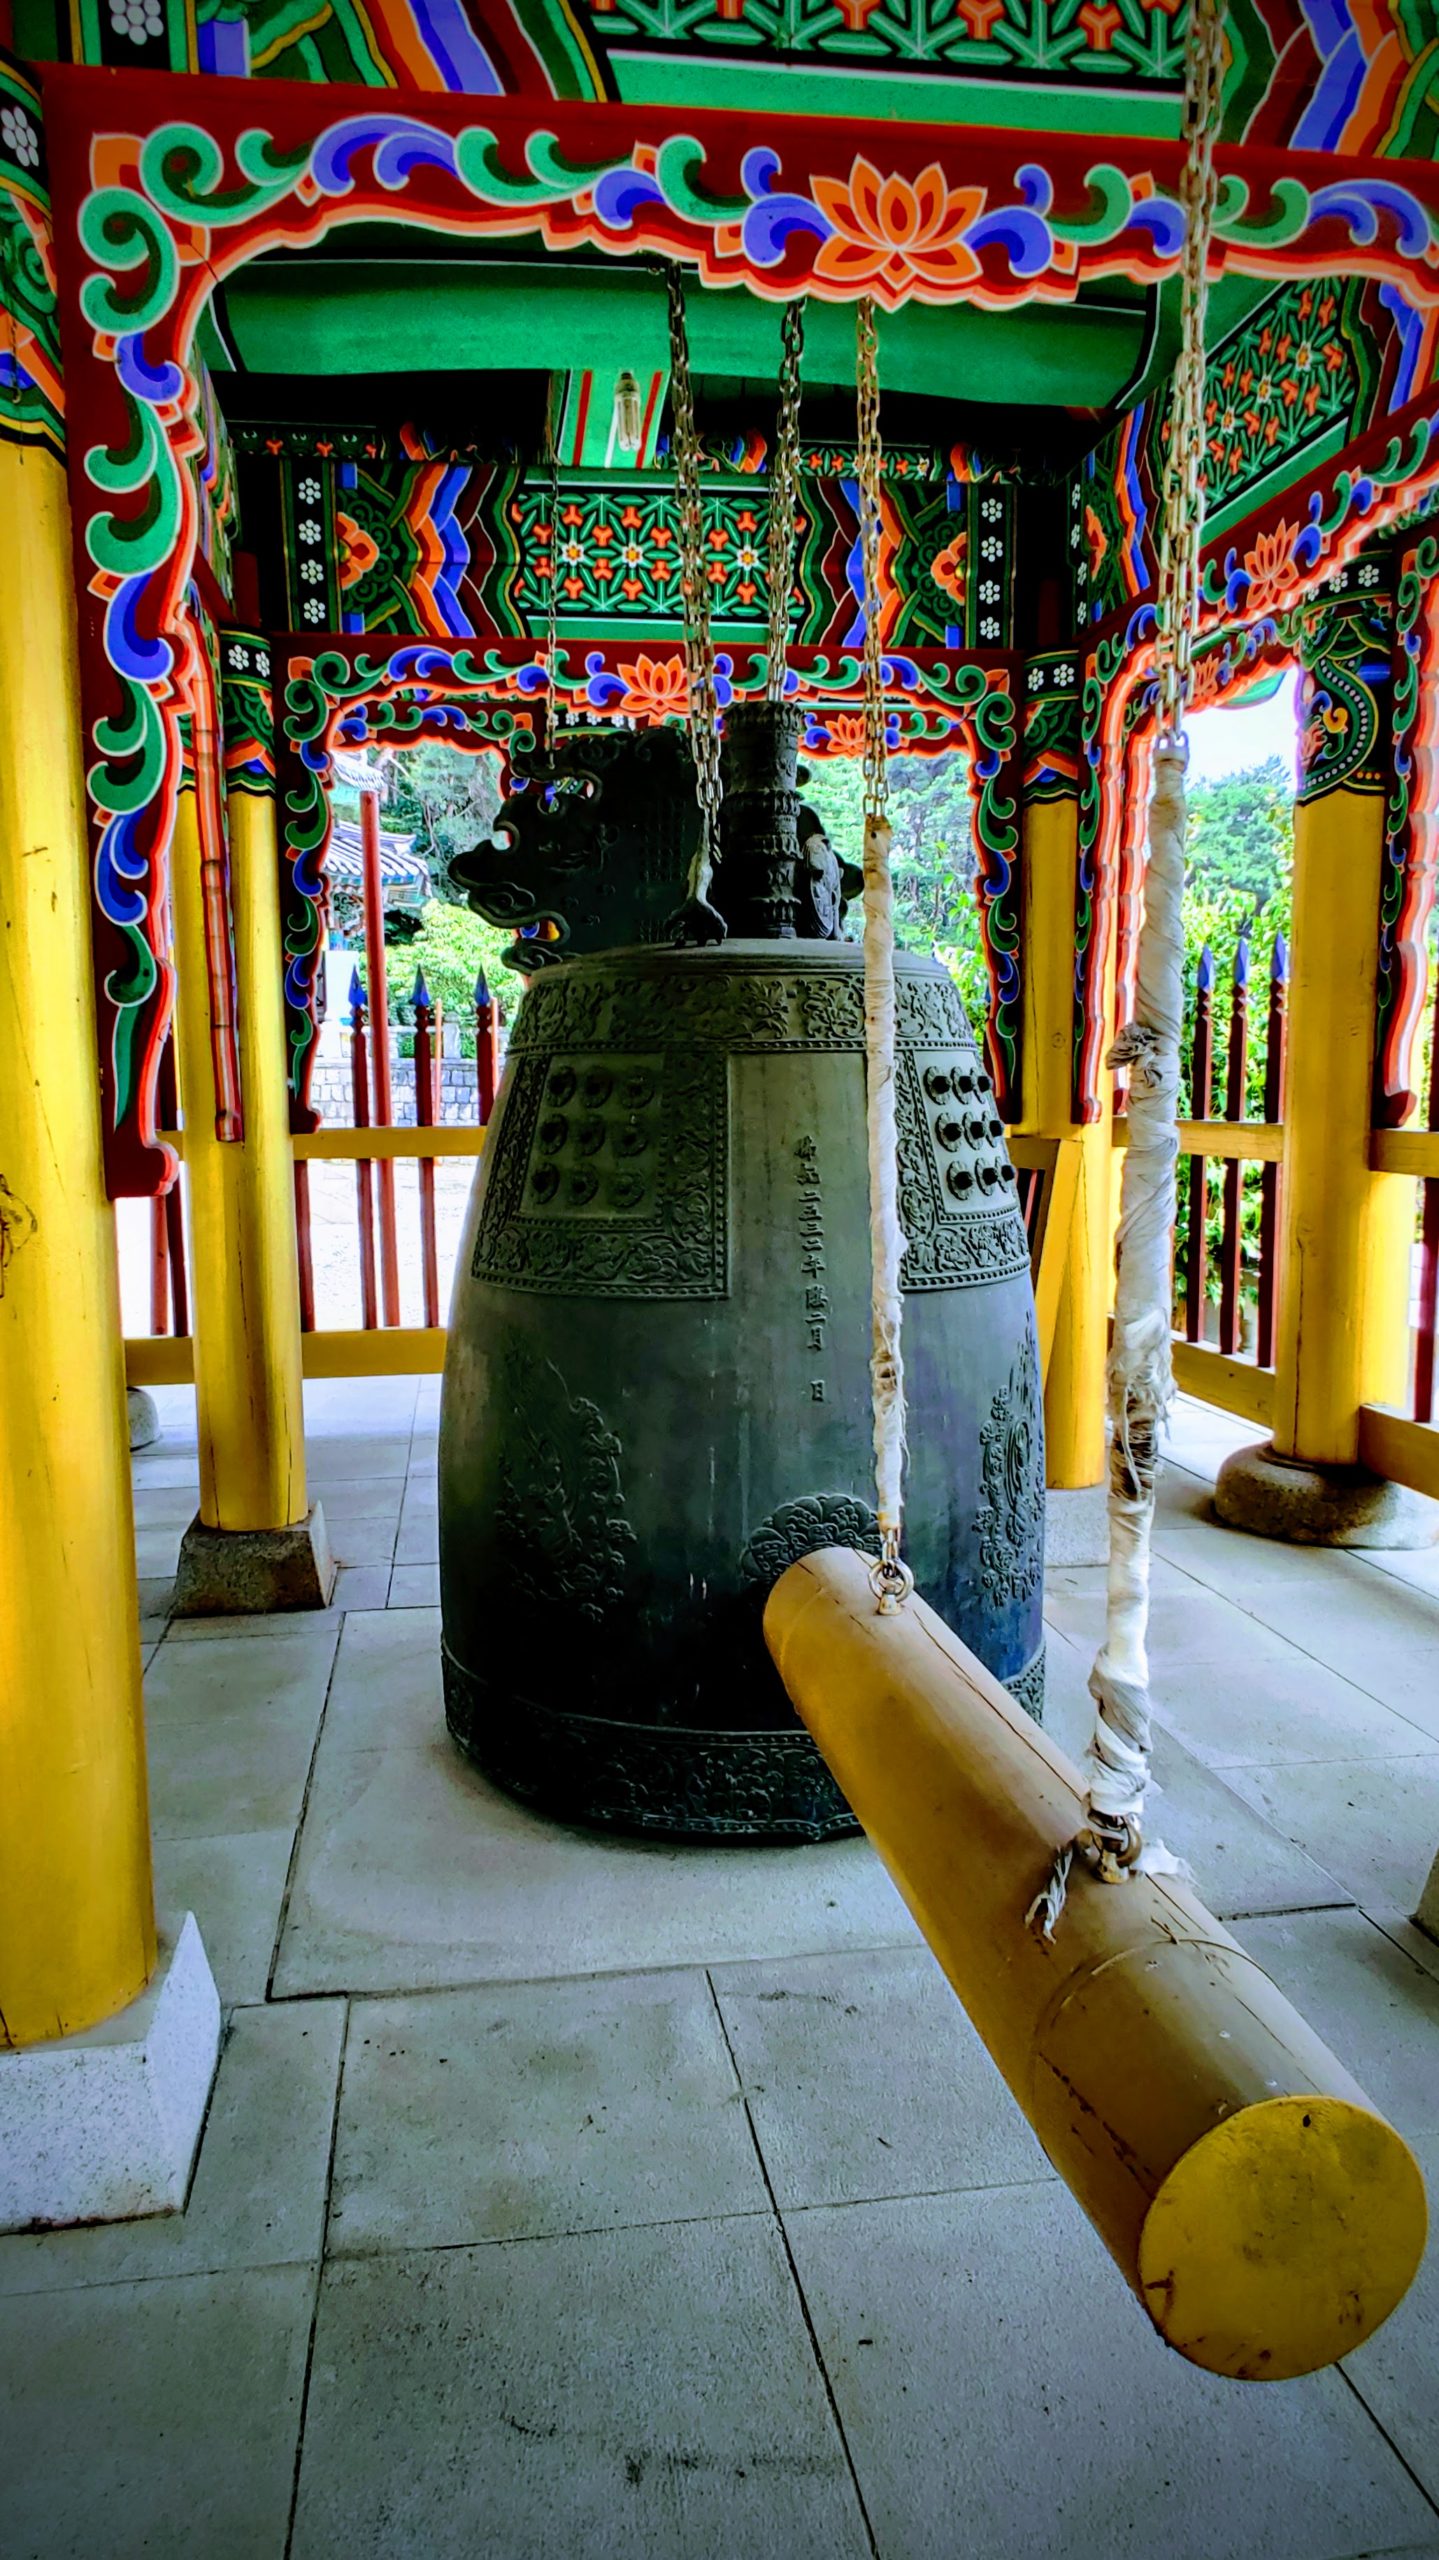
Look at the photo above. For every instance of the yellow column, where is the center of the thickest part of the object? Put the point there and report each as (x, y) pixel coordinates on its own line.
(1074, 1390)
(77, 1930)
(1347, 1235)
(244, 1277)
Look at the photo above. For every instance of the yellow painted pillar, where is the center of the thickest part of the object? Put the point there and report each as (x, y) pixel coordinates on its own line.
(1347, 1233)
(1074, 1398)
(77, 1930)
(244, 1276)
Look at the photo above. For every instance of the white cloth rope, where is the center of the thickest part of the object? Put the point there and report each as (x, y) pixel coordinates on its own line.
(1141, 1379)
(886, 1236)
(893, 1581)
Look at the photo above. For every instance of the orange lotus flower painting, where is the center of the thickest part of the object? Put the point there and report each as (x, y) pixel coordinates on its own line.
(892, 234)
(655, 688)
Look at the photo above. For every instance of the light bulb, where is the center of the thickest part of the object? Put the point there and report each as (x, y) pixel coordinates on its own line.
(629, 417)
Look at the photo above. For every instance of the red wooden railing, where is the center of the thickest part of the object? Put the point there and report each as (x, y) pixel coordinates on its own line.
(1427, 1313)
(1244, 1180)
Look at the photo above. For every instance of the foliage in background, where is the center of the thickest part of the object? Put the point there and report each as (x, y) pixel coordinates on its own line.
(1240, 872)
(932, 857)
(1241, 836)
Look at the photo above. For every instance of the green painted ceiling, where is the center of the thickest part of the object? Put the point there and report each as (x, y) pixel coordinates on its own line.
(348, 315)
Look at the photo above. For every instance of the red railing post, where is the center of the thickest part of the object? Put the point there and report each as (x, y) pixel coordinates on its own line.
(425, 1025)
(364, 1196)
(1201, 1095)
(304, 1248)
(379, 1000)
(1424, 1347)
(487, 1048)
(1236, 1072)
(1276, 1039)
(169, 1295)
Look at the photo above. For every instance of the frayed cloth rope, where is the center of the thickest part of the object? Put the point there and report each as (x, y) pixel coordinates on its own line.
(886, 1236)
(1141, 1378)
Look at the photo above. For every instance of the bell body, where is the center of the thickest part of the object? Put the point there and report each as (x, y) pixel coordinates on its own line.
(657, 1378)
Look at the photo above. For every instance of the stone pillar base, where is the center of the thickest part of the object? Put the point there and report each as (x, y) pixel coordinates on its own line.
(1274, 1497)
(144, 1419)
(241, 1573)
(1427, 1915)
(103, 2127)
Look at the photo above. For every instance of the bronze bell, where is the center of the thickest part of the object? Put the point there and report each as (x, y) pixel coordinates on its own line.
(657, 1380)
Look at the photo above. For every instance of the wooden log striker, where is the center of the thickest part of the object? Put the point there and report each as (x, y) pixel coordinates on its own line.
(1265, 2214)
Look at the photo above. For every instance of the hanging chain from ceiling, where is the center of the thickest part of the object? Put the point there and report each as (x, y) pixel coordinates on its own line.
(704, 734)
(784, 500)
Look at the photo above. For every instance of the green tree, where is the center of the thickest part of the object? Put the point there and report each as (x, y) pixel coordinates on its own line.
(447, 799)
(1241, 834)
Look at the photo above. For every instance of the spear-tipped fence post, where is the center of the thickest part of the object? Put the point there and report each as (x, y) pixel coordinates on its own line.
(487, 1048)
(1276, 1039)
(1236, 1073)
(425, 1028)
(1201, 1096)
(364, 1190)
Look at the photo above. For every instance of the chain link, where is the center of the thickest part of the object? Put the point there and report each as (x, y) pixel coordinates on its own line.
(784, 499)
(552, 600)
(870, 466)
(695, 595)
(1183, 495)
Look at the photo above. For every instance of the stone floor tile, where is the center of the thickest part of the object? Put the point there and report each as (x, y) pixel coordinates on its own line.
(257, 2198)
(864, 2078)
(386, 1687)
(157, 1465)
(157, 1553)
(413, 1871)
(537, 2109)
(233, 1674)
(1419, 1567)
(341, 1459)
(1270, 1703)
(650, 2395)
(1380, 1633)
(279, 1625)
(1415, 1943)
(235, 1885)
(1373, 1823)
(415, 1586)
(356, 1497)
(419, 1538)
(156, 1591)
(1370, 2001)
(156, 2418)
(160, 1506)
(1187, 1621)
(228, 1773)
(360, 1543)
(1240, 1860)
(153, 1631)
(989, 2364)
(361, 1586)
(1080, 1580)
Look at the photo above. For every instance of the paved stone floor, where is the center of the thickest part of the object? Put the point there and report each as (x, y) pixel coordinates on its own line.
(563, 2199)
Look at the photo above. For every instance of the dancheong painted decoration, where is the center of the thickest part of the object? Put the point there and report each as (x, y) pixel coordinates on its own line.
(762, 146)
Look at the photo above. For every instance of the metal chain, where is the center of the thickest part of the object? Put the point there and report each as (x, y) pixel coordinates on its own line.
(784, 498)
(695, 597)
(1183, 495)
(552, 601)
(870, 460)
